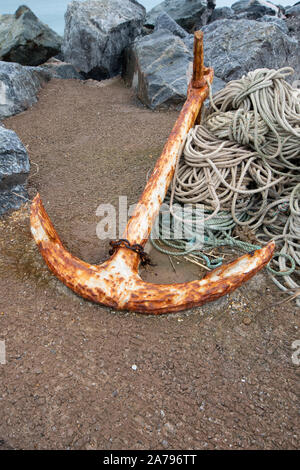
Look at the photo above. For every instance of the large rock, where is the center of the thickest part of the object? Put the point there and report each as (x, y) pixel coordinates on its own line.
(240, 6)
(19, 86)
(60, 69)
(234, 47)
(187, 13)
(98, 31)
(293, 24)
(221, 14)
(244, 5)
(164, 21)
(278, 21)
(25, 39)
(14, 169)
(254, 9)
(293, 11)
(157, 67)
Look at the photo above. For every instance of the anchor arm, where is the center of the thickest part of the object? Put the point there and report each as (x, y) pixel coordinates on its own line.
(116, 282)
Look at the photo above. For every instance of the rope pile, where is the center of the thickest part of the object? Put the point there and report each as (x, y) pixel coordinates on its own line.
(242, 165)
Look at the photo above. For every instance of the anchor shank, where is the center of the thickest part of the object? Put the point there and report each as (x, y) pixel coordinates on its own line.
(198, 65)
(139, 226)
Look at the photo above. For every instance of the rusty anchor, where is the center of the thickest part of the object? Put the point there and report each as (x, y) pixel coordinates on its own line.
(116, 283)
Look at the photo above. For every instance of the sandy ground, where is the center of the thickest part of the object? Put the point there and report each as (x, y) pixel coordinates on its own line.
(216, 377)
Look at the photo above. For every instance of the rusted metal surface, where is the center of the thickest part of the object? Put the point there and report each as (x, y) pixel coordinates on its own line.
(140, 224)
(198, 80)
(116, 283)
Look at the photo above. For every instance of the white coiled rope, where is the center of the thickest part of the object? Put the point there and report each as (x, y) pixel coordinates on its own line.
(242, 162)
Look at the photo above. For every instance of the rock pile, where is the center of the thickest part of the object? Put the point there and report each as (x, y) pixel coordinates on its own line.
(249, 35)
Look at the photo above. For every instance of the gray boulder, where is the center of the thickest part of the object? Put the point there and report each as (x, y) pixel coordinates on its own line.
(217, 84)
(293, 11)
(157, 67)
(254, 9)
(293, 24)
(221, 14)
(189, 14)
(234, 47)
(19, 86)
(14, 169)
(12, 199)
(98, 31)
(278, 21)
(25, 39)
(164, 21)
(240, 6)
(60, 69)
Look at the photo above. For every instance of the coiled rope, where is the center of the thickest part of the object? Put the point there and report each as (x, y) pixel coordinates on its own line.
(242, 165)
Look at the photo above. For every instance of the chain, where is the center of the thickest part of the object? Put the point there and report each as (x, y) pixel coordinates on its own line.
(123, 243)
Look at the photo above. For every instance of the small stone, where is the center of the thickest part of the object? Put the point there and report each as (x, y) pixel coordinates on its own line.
(134, 367)
(41, 401)
(247, 321)
(59, 69)
(169, 428)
